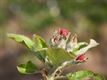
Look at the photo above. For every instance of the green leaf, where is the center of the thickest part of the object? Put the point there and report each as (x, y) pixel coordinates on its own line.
(28, 68)
(57, 56)
(40, 47)
(99, 77)
(22, 39)
(40, 43)
(41, 55)
(84, 75)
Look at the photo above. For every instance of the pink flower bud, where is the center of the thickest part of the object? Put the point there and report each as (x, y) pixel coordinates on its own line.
(63, 32)
(81, 58)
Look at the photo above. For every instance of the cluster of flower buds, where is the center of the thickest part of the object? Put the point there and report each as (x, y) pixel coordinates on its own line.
(62, 38)
(59, 38)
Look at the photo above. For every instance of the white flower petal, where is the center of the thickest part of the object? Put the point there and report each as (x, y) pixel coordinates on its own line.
(71, 45)
(62, 44)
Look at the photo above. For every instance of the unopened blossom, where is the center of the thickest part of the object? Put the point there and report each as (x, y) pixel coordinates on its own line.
(81, 58)
(63, 32)
(62, 39)
(59, 38)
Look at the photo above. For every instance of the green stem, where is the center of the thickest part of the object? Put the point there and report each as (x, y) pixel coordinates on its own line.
(61, 78)
(57, 73)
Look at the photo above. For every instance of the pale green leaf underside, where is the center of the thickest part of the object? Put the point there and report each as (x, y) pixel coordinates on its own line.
(79, 46)
(22, 39)
(92, 44)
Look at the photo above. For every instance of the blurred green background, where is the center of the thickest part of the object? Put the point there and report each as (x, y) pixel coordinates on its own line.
(86, 18)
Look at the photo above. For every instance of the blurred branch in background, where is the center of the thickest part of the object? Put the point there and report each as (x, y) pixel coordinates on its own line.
(53, 8)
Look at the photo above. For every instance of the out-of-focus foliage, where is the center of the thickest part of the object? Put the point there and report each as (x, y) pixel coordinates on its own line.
(96, 10)
(36, 13)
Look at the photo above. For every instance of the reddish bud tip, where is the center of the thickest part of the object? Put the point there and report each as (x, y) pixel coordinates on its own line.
(81, 58)
(63, 32)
